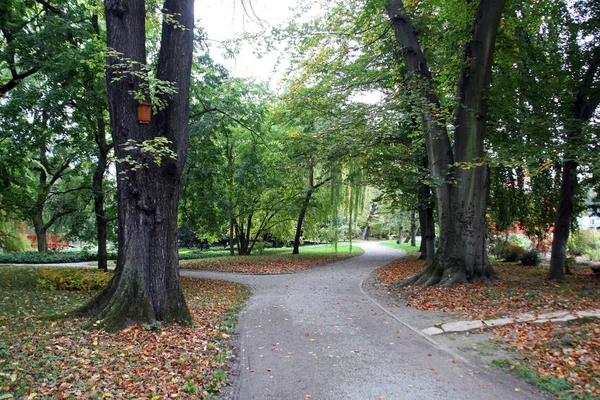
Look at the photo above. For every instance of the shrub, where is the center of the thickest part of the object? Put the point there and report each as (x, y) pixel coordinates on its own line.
(594, 255)
(530, 258)
(582, 242)
(76, 279)
(49, 257)
(512, 253)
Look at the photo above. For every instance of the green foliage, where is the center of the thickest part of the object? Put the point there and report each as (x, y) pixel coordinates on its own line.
(583, 242)
(512, 253)
(530, 258)
(11, 239)
(49, 257)
(156, 149)
(73, 279)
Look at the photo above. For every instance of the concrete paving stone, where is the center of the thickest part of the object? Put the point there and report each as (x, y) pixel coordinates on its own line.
(498, 322)
(462, 326)
(591, 313)
(558, 321)
(432, 331)
(525, 317)
(552, 315)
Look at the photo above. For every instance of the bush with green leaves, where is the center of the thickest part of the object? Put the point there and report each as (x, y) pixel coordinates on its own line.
(530, 258)
(583, 242)
(74, 279)
(512, 253)
(49, 257)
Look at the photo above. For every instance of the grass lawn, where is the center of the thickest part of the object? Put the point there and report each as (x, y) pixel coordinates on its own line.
(564, 360)
(44, 358)
(276, 261)
(406, 247)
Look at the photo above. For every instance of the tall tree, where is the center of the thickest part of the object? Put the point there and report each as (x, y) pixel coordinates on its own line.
(146, 287)
(461, 188)
(584, 63)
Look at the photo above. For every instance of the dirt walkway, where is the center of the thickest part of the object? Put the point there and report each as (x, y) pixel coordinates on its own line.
(326, 333)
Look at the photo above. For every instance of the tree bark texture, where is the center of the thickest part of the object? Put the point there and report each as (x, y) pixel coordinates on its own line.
(583, 109)
(427, 225)
(461, 194)
(146, 288)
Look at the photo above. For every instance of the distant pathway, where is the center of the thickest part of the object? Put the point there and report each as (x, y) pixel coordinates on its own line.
(316, 335)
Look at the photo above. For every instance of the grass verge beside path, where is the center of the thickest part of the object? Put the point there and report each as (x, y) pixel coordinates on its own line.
(406, 247)
(282, 263)
(56, 359)
(564, 360)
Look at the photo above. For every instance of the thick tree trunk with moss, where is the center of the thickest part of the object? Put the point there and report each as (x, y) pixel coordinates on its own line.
(146, 288)
(461, 195)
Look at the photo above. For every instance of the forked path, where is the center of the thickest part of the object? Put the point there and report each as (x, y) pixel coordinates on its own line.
(317, 335)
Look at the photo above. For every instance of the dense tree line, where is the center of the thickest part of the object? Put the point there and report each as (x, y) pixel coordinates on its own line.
(473, 117)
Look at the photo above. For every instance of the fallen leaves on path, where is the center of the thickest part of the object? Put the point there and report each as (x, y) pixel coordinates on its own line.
(272, 264)
(569, 354)
(56, 359)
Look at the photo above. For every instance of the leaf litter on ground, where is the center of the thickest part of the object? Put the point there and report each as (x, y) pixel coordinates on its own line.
(569, 354)
(57, 359)
(272, 264)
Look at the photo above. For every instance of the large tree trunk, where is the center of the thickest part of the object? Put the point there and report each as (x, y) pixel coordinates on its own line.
(562, 225)
(40, 232)
(146, 288)
(427, 225)
(462, 197)
(584, 108)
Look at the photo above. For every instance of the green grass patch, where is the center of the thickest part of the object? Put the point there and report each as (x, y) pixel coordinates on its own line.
(560, 388)
(406, 247)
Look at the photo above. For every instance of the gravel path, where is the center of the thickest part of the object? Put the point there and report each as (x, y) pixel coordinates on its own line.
(322, 334)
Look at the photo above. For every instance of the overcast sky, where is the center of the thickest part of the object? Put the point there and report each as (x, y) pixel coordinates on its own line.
(227, 19)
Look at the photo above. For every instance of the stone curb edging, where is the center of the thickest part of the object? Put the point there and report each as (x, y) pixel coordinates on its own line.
(559, 317)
